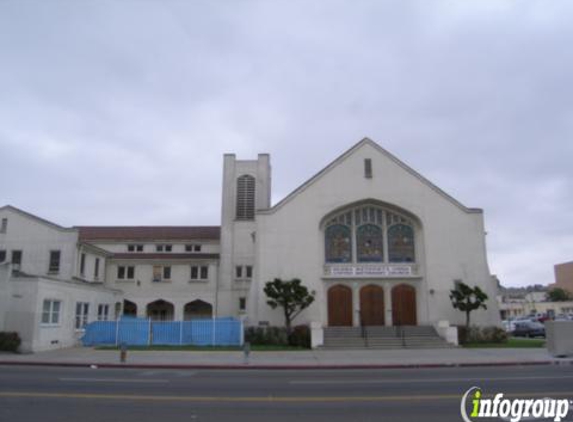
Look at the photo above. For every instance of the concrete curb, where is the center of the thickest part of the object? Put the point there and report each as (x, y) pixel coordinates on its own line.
(281, 366)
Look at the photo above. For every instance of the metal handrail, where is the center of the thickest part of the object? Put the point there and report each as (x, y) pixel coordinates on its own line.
(363, 329)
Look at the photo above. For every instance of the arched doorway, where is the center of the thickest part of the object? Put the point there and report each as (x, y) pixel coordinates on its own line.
(197, 310)
(129, 308)
(340, 306)
(372, 305)
(160, 310)
(404, 305)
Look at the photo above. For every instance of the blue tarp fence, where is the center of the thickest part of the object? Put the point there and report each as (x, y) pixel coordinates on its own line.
(144, 332)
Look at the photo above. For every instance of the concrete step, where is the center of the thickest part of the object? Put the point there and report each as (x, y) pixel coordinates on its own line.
(383, 337)
(344, 341)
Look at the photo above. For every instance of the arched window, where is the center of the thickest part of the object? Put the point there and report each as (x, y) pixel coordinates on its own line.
(369, 233)
(245, 197)
(369, 243)
(338, 245)
(401, 243)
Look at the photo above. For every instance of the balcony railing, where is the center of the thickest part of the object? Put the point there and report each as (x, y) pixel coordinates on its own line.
(371, 270)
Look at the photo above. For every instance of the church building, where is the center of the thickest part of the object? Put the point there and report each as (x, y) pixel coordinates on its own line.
(377, 243)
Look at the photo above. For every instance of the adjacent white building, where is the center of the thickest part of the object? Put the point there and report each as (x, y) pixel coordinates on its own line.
(378, 244)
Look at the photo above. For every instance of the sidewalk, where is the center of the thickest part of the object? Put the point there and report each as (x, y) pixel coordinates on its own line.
(311, 359)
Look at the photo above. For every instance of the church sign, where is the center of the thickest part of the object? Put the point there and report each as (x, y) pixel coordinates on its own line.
(370, 270)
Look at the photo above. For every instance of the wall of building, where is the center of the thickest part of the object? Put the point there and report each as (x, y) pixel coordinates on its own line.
(36, 239)
(91, 257)
(522, 308)
(290, 242)
(179, 290)
(207, 246)
(238, 238)
(25, 311)
(4, 299)
(564, 276)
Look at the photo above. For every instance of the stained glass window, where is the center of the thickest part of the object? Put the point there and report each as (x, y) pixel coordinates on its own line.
(401, 243)
(363, 226)
(369, 243)
(338, 244)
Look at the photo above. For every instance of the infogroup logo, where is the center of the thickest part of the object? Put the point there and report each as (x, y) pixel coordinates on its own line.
(514, 410)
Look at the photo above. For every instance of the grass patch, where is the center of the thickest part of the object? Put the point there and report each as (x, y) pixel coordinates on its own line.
(512, 342)
(188, 348)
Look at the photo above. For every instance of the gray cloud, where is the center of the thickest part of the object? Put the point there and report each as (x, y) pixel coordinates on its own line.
(119, 112)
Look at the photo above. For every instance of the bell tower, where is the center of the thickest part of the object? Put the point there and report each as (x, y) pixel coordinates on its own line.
(246, 189)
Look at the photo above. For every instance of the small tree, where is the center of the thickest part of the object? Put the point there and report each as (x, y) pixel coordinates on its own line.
(558, 295)
(290, 295)
(466, 299)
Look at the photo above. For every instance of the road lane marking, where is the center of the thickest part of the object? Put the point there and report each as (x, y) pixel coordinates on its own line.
(115, 380)
(425, 380)
(178, 374)
(261, 399)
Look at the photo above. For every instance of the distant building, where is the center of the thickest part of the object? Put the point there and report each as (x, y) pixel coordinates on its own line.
(564, 276)
(376, 241)
(515, 303)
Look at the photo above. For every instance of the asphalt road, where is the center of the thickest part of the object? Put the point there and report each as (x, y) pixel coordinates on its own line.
(76, 394)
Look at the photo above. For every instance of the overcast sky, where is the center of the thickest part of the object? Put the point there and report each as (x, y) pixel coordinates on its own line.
(118, 112)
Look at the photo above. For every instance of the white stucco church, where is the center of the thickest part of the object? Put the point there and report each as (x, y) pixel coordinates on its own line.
(378, 243)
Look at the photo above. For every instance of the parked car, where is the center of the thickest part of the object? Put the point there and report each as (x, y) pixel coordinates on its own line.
(562, 317)
(508, 325)
(529, 329)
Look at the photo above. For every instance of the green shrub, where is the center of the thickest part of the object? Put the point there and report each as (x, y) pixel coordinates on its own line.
(267, 336)
(300, 336)
(277, 336)
(476, 334)
(10, 341)
(494, 335)
(462, 334)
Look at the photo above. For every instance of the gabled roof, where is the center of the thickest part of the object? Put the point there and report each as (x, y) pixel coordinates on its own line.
(352, 150)
(148, 233)
(35, 217)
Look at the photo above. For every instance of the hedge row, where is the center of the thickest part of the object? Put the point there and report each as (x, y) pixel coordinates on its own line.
(9, 342)
(481, 335)
(278, 336)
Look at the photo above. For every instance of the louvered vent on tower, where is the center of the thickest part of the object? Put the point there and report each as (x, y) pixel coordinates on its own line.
(245, 197)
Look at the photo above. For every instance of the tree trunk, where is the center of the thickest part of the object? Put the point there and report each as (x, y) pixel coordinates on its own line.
(468, 319)
(287, 322)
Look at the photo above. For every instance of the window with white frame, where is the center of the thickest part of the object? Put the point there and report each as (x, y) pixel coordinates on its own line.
(193, 248)
(199, 272)
(163, 248)
(96, 268)
(242, 303)
(51, 312)
(156, 273)
(17, 257)
(243, 272)
(16, 261)
(135, 248)
(125, 272)
(83, 264)
(2, 255)
(103, 312)
(4, 226)
(82, 312)
(54, 266)
(161, 273)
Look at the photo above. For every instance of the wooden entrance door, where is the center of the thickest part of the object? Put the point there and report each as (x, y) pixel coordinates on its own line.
(340, 306)
(372, 305)
(404, 305)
